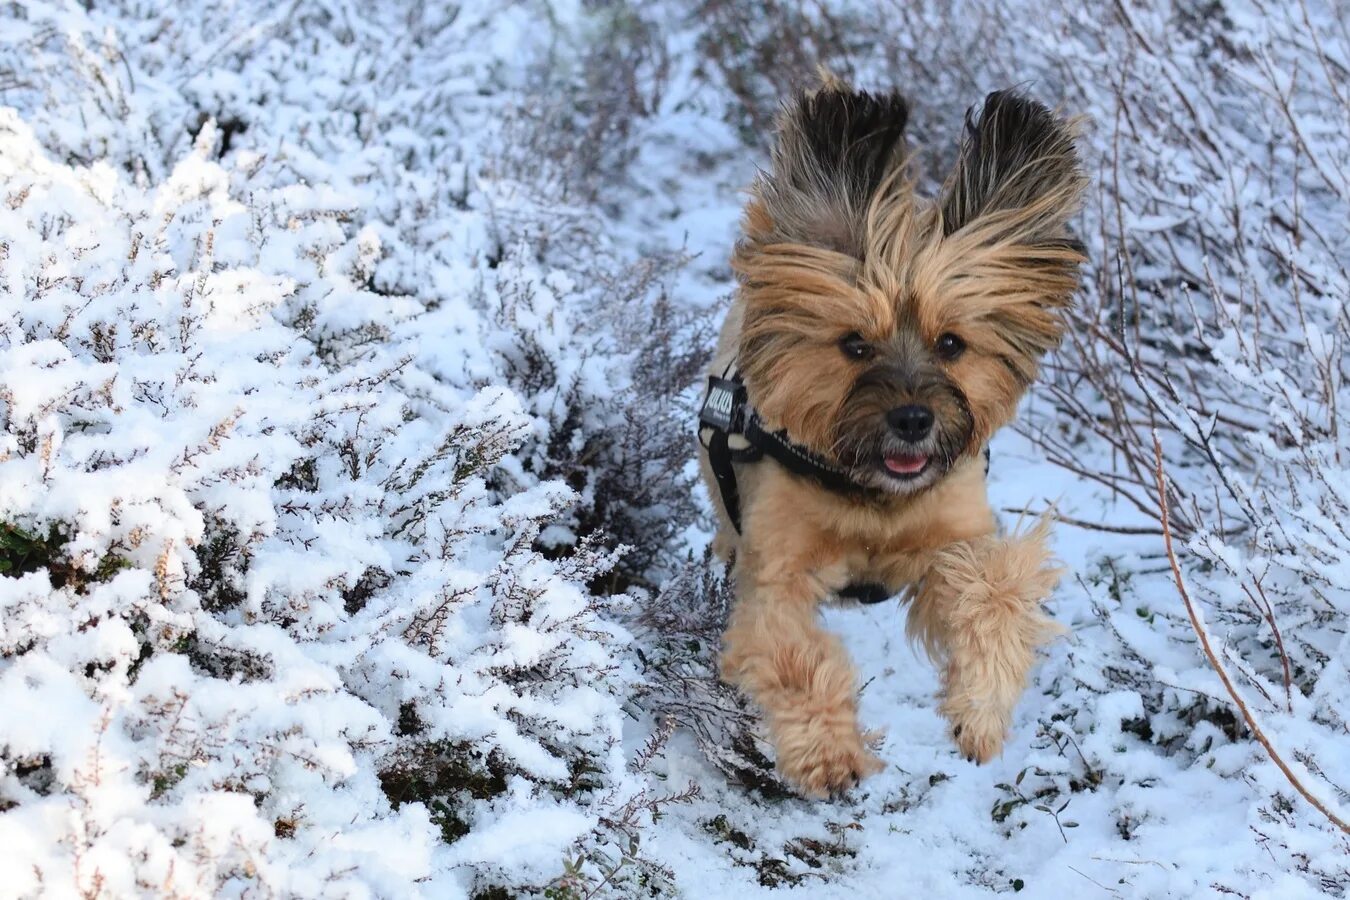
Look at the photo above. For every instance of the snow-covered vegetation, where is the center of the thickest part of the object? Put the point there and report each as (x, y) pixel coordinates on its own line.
(349, 536)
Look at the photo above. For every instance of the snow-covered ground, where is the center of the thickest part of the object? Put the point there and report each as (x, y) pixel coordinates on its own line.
(350, 543)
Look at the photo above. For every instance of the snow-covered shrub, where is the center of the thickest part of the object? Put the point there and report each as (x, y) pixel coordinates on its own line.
(935, 52)
(760, 52)
(1217, 321)
(315, 426)
(680, 630)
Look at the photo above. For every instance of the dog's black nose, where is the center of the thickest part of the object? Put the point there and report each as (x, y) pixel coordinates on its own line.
(910, 423)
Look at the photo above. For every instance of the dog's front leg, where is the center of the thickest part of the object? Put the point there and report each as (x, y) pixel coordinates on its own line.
(978, 613)
(798, 673)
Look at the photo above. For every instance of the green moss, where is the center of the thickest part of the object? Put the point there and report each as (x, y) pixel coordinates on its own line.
(161, 782)
(23, 552)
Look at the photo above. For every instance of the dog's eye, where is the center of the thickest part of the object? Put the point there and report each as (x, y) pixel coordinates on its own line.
(855, 346)
(949, 346)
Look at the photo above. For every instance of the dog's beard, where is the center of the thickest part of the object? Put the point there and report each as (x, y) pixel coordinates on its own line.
(876, 458)
(900, 467)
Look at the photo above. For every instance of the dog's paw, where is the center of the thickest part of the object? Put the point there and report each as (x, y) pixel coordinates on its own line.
(978, 734)
(824, 758)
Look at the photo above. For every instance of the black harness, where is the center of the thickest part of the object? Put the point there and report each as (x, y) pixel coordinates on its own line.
(732, 432)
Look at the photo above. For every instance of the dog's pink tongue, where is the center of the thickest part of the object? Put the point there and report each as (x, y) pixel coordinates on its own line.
(906, 464)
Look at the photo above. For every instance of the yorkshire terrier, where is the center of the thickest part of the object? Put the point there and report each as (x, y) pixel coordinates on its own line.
(876, 342)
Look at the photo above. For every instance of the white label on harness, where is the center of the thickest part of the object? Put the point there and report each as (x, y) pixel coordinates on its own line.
(720, 405)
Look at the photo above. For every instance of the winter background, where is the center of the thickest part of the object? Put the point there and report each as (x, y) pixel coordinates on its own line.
(350, 540)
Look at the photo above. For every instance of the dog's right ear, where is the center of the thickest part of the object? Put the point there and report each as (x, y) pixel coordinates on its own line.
(835, 147)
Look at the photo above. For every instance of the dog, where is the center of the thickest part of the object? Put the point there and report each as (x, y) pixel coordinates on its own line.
(876, 342)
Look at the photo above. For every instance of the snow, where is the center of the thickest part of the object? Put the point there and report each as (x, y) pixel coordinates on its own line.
(351, 541)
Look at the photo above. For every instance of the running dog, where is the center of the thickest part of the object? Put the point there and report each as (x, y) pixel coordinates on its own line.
(877, 341)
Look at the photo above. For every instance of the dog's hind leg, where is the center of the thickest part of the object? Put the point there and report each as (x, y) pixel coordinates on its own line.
(978, 613)
(776, 650)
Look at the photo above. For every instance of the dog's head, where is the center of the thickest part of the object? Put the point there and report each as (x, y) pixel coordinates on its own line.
(890, 333)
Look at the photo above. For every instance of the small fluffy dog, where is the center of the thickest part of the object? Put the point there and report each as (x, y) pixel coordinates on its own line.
(876, 343)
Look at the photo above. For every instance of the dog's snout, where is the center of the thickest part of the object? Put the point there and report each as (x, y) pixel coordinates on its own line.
(910, 423)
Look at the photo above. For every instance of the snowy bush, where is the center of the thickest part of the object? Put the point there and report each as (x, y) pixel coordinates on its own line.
(304, 418)
(1217, 321)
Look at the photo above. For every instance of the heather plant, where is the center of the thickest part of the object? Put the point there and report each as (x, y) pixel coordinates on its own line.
(301, 434)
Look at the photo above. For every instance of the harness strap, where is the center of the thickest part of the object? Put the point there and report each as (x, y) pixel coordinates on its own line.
(732, 433)
(726, 415)
(722, 418)
(799, 461)
(866, 592)
(719, 459)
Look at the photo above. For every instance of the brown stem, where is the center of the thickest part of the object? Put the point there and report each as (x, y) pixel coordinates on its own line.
(1203, 635)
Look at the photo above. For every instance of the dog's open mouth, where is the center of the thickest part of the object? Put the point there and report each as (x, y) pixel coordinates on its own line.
(905, 465)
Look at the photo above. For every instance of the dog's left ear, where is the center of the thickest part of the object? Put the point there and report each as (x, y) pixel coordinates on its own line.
(1018, 179)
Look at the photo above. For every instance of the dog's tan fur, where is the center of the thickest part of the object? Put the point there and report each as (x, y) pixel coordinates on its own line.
(987, 260)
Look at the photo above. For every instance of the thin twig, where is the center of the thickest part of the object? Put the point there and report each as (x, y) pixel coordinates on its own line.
(1084, 523)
